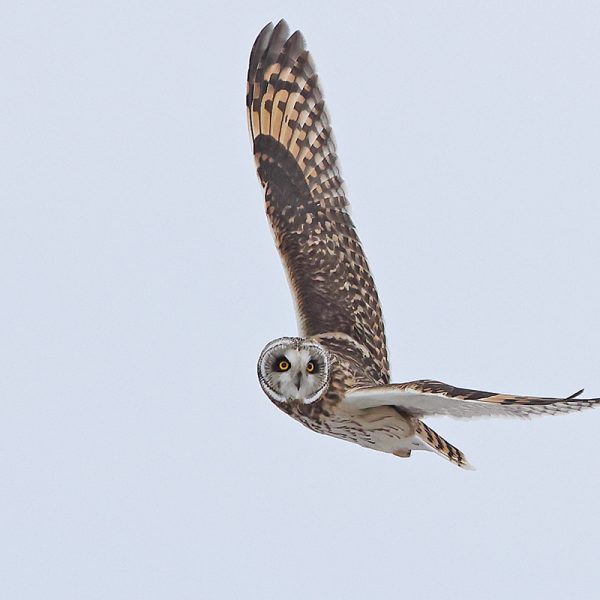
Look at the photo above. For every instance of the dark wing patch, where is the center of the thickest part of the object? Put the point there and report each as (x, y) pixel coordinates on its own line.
(428, 398)
(305, 200)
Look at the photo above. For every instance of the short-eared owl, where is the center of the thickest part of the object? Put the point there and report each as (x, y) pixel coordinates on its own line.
(335, 379)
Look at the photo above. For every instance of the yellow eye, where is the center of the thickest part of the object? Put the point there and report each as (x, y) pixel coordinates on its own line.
(310, 367)
(283, 365)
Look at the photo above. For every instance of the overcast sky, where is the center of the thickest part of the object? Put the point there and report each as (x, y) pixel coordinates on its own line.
(139, 458)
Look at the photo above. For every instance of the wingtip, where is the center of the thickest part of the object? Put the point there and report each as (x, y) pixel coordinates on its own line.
(281, 31)
(263, 35)
(575, 395)
(273, 39)
(258, 49)
(266, 28)
(295, 44)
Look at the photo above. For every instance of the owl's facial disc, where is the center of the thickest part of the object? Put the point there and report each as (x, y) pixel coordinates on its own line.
(294, 370)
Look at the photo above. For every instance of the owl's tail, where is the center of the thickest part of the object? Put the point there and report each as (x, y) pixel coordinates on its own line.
(439, 445)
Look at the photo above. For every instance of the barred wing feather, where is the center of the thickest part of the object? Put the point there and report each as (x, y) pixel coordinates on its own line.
(305, 200)
(430, 398)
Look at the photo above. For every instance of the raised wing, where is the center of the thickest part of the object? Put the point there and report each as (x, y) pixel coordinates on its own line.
(429, 398)
(305, 199)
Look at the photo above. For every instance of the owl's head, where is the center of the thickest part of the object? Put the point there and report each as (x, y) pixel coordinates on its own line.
(294, 369)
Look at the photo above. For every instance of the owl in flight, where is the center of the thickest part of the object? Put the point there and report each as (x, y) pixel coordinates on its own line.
(335, 378)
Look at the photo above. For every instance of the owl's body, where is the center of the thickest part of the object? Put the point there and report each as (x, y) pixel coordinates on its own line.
(384, 428)
(335, 379)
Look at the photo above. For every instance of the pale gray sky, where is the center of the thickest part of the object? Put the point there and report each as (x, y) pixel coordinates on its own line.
(138, 455)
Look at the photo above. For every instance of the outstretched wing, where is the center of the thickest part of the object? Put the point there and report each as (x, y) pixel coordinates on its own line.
(430, 398)
(305, 200)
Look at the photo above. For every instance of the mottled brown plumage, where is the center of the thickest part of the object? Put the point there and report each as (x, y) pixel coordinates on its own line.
(336, 300)
(305, 198)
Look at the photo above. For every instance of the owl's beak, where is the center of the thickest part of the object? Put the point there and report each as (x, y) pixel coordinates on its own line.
(298, 380)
